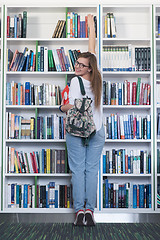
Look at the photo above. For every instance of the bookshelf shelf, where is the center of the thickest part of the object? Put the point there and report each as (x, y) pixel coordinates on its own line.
(128, 140)
(125, 41)
(39, 210)
(47, 40)
(127, 210)
(39, 73)
(148, 107)
(125, 175)
(38, 175)
(31, 107)
(35, 141)
(127, 73)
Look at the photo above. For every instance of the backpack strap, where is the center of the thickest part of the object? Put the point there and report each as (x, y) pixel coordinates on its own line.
(83, 92)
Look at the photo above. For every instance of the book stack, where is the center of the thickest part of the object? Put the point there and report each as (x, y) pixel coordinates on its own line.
(124, 161)
(18, 127)
(77, 25)
(31, 94)
(127, 126)
(109, 26)
(127, 195)
(44, 161)
(42, 59)
(60, 29)
(17, 26)
(126, 58)
(127, 93)
(51, 195)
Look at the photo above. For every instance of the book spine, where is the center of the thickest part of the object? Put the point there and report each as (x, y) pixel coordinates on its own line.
(15, 26)
(8, 26)
(24, 33)
(42, 59)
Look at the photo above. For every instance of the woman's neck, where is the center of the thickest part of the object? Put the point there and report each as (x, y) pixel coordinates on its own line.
(86, 77)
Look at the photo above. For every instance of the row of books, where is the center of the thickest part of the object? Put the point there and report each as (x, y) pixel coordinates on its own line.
(60, 29)
(17, 25)
(77, 25)
(51, 195)
(17, 127)
(42, 59)
(126, 93)
(126, 58)
(123, 161)
(127, 126)
(109, 26)
(126, 195)
(31, 94)
(43, 161)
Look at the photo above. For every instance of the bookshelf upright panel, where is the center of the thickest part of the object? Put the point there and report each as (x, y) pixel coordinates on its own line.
(127, 159)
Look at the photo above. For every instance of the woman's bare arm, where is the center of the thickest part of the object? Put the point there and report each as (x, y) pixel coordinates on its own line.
(92, 36)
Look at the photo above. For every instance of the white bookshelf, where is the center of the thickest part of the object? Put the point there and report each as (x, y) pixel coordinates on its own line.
(134, 26)
(41, 22)
(156, 13)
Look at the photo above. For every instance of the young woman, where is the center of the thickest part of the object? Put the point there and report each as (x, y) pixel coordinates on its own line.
(84, 160)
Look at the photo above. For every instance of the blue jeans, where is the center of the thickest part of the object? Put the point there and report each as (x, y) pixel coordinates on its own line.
(84, 165)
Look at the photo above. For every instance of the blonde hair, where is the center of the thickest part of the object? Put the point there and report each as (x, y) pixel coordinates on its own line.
(95, 76)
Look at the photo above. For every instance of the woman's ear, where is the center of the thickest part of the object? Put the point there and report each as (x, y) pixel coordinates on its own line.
(89, 70)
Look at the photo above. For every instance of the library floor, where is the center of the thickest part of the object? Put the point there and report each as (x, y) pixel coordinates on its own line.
(59, 227)
(30, 227)
(59, 231)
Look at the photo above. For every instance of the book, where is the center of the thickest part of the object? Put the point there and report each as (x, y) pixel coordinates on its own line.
(24, 32)
(56, 29)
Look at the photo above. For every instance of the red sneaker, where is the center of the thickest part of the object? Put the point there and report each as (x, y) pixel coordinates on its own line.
(89, 218)
(79, 220)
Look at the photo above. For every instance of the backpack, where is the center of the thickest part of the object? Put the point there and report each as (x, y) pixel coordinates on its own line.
(79, 120)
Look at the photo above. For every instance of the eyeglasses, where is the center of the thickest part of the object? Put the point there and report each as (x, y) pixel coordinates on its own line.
(81, 65)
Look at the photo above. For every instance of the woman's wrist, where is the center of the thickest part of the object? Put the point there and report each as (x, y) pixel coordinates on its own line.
(60, 108)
